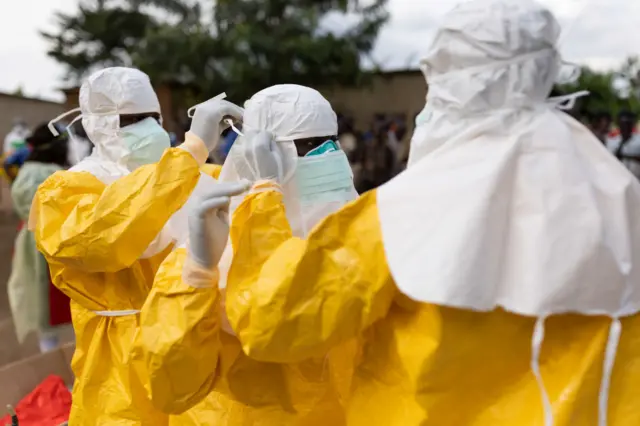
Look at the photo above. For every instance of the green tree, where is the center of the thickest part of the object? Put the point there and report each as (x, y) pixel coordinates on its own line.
(602, 97)
(309, 42)
(237, 46)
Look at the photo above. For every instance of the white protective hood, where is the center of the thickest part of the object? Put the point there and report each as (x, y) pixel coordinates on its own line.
(508, 202)
(105, 96)
(289, 112)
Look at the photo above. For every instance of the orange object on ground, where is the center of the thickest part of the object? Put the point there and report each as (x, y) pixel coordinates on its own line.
(48, 405)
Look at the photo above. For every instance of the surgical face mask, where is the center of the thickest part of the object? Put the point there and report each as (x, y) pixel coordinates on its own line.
(324, 178)
(146, 141)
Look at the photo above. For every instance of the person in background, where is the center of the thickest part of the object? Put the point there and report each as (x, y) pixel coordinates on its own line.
(378, 157)
(16, 137)
(14, 161)
(626, 145)
(29, 285)
(496, 282)
(600, 125)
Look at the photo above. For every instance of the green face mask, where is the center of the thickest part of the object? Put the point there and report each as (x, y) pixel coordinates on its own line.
(324, 178)
(146, 141)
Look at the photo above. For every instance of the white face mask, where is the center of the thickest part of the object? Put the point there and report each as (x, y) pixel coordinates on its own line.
(146, 141)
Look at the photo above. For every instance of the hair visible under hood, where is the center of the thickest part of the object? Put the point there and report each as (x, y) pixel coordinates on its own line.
(46, 148)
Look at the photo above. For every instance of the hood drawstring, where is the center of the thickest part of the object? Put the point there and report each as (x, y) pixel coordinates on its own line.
(615, 330)
(536, 347)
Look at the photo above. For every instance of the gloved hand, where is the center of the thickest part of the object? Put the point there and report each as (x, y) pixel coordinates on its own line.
(207, 121)
(260, 158)
(209, 224)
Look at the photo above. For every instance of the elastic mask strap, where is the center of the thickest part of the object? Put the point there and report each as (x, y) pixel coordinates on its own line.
(233, 126)
(609, 360)
(192, 110)
(51, 126)
(567, 102)
(536, 347)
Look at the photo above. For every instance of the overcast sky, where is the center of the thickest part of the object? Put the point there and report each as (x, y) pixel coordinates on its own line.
(602, 33)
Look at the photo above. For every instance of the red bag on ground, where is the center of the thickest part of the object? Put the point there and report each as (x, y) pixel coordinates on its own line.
(48, 405)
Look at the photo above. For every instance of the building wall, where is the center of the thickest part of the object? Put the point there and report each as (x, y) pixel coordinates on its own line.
(33, 111)
(391, 93)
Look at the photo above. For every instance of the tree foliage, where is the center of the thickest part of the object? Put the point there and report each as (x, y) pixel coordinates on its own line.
(603, 98)
(237, 46)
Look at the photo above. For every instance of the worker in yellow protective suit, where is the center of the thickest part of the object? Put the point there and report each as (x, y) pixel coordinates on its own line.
(192, 363)
(105, 225)
(496, 282)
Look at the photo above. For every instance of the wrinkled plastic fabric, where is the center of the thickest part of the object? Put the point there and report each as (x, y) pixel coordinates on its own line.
(28, 285)
(290, 112)
(194, 368)
(507, 201)
(93, 236)
(47, 405)
(417, 361)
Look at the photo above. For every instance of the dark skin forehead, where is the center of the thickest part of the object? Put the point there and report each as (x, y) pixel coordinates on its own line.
(304, 146)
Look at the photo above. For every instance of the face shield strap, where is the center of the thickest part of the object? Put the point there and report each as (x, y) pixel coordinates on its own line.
(567, 102)
(424, 65)
(192, 110)
(53, 129)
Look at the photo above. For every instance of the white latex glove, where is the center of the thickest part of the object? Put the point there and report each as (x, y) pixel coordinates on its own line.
(260, 158)
(209, 224)
(207, 122)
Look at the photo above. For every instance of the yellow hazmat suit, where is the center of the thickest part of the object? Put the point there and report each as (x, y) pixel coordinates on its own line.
(191, 364)
(99, 226)
(93, 236)
(460, 275)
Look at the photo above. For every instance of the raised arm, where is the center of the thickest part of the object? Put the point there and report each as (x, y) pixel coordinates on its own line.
(289, 298)
(80, 221)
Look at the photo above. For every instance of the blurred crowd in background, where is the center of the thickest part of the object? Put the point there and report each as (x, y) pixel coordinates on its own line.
(376, 153)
